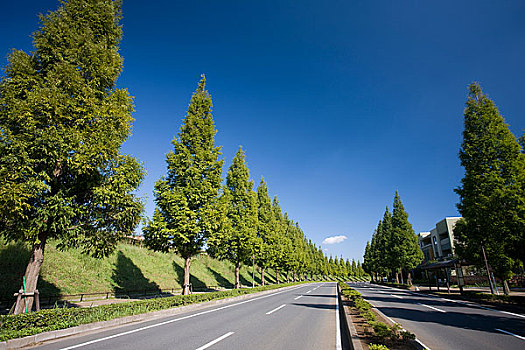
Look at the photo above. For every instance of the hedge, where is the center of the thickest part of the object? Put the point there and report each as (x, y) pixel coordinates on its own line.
(16, 326)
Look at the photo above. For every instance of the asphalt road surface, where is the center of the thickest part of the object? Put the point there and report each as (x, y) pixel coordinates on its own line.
(440, 323)
(303, 317)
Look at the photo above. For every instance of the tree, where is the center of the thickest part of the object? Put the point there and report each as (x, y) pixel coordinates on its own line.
(238, 243)
(187, 198)
(404, 241)
(284, 253)
(492, 192)
(62, 123)
(268, 246)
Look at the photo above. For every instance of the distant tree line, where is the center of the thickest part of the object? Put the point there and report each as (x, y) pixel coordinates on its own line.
(394, 250)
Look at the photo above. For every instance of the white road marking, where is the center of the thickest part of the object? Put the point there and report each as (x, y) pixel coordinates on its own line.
(277, 308)
(338, 345)
(509, 333)
(433, 308)
(174, 320)
(397, 296)
(308, 291)
(300, 296)
(205, 346)
(513, 314)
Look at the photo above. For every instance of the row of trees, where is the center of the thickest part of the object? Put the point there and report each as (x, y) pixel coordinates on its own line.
(492, 192)
(236, 223)
(340, 268)
(394, 249)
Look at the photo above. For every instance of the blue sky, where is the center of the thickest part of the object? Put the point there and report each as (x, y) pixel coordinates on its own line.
(337, 104)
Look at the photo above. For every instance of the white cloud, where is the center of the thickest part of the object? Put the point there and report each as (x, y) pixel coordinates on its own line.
(334, 239)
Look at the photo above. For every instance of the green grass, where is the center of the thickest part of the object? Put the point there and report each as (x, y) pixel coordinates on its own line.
(128, 268)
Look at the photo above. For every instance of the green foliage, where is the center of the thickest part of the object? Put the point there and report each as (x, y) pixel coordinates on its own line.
(187, 198)
(369, 316)
(62, 123)
(238, 242)
(362, 304)
(406, 335)
(492, 192)
(268, 248)
(129, 268)
(382, 330)
(406, 245)
(394, 245)
(15, 326)
(377, 347)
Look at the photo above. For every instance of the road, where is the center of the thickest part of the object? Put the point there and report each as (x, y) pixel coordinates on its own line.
(440, 323)
(303, 317)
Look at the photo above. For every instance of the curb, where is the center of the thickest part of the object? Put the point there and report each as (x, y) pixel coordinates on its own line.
(77, 330)
(353, 339)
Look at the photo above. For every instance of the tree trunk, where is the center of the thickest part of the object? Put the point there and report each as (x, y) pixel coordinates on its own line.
(186, 285)
(293, 276)
(506, 288)
(237, 276)
(277, 275)
(397, 277)
(32, 272)
(401, 274)
(409, 279)
(262, 276)
(288, 276)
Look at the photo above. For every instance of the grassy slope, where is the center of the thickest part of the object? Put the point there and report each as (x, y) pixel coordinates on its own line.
(128, 268)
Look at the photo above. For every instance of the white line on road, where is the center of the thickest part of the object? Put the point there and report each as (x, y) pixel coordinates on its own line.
(308, 291)
(517, 336)
(397, 296)
(299, 297)
(205, 346)
(513, 314)
(277, 308)
(433, 308)
(338, 345)
(175, 320)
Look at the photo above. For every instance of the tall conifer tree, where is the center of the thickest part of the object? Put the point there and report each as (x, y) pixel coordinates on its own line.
(404, 241)
(268, 247)
(187, 198)
(62, 123)
(492, 192)
(238, 243)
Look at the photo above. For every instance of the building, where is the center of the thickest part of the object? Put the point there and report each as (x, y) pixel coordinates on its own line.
(438, 244)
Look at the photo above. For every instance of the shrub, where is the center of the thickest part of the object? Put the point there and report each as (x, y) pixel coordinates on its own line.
(369, 316)
(362, 304)
(15, 326)
(377, 347)
(406, 335)
(382, 330)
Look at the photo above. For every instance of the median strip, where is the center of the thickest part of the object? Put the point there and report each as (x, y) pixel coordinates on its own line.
(278, 308)
(205, 346)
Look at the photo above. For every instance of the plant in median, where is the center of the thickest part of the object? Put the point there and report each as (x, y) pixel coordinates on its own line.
(377, 347)
(382, 330)
(406, 335)
(362, 304)
(369, 316)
